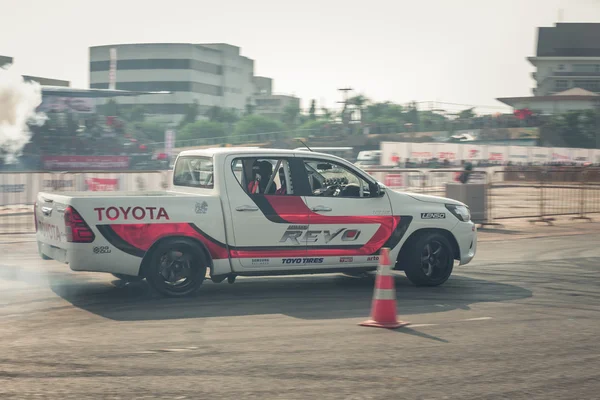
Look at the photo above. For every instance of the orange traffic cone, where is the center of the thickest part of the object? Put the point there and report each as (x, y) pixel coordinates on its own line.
(383, 309)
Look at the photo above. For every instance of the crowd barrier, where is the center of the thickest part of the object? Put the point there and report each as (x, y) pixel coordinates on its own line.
(535, 193)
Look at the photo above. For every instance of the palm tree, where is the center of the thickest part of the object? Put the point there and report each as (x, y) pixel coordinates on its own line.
(359, 101)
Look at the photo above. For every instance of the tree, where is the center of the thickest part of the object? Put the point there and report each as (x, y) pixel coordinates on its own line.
(249, 107)
(152, 131)
(137, 114)
(202, 130)
(290, 113)
(313, 109)
(191, 113)
(359, 102)
(111, 108)
(253, 124)
(326, 114)
(218, 114)
(314, 127)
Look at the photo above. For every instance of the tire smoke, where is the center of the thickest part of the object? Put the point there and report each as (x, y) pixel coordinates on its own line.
(18, 102)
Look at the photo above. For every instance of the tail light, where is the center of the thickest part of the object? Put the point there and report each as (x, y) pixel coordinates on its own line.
(35, 215)
(77, 230)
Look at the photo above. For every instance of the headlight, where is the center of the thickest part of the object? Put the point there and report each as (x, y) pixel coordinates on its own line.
(461, 212)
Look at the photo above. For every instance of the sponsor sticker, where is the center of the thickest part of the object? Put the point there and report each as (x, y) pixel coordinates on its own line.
(201, 208)
(299, 234)
(433, 215)
(346, 259)
(373, 258)
(302, 260)
(101, 249)
(129, 213)
(260, 261)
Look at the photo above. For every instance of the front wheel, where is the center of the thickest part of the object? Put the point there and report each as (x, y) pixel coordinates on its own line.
(430, 260)
(176, 268)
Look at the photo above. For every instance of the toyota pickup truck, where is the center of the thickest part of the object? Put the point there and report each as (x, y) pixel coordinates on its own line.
(254, 212)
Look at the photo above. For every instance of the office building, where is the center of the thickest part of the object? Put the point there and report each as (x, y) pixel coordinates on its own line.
(567, 56)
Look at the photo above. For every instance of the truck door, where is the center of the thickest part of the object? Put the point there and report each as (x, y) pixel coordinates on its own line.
(347, 225)
(267, 228)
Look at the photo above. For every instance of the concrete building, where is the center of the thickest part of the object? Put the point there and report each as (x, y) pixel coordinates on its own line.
(210, 74)
(5, 60)
(567, 56)
(575, 99)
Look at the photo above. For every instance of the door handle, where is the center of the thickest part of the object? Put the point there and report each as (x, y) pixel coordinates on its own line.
(246, 208)
(321, 208)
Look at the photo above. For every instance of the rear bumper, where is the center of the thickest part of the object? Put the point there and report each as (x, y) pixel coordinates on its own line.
(82, 257)
(466, 237)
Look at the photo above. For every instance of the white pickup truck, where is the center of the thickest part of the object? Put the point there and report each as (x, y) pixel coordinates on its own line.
(249, 212)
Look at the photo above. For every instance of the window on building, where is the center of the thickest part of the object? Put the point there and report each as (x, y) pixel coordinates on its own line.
(586, 68)
(561, 84)
(561, 67)
(588, 84)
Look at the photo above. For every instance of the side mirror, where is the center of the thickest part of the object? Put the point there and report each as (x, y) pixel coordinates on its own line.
(376, 190)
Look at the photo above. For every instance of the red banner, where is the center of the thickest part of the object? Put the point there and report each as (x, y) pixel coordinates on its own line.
(85, 163)
(102, 184)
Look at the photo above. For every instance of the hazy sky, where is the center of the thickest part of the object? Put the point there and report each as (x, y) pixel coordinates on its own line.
(458, 51)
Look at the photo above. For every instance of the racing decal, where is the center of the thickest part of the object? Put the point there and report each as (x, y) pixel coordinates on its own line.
(346, 259)
(300, 235)
(260, 261)
(372, 258)
(136, 239)
(302, 260)
(433, 215)
(131, 213)
(201, 208)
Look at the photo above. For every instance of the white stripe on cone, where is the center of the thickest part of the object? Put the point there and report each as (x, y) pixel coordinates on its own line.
(384, 294)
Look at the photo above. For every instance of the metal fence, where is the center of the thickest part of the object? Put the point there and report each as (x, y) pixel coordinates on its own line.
(539, 194)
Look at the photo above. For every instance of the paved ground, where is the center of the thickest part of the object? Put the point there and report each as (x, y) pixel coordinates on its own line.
(520, 322)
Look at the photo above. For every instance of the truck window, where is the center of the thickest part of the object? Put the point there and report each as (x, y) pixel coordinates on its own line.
(330, 179)
(254, 175)
(194, 171)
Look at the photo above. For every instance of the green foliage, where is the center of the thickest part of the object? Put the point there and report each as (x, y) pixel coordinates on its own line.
(137, 114)
(152, 131)
(314, 127)
(218, 114)
(191, 114)
(252, 124)
(111, 108)
(572, 129)
(202, 130)
(291, 113)
(312, 110)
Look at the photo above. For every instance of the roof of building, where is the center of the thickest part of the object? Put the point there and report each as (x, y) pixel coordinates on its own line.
(74, 92)
(569, 40)
(573, 94)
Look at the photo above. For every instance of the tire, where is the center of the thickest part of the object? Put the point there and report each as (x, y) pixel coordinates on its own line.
(173, 260)
(128, 278)
(430, 260)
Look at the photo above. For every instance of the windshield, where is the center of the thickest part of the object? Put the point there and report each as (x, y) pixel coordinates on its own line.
(194, 172)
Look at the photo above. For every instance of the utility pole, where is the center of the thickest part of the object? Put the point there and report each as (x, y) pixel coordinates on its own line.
(345, 103)
(597, 106)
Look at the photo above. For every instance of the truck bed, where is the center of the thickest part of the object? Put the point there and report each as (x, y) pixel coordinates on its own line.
(112, 194)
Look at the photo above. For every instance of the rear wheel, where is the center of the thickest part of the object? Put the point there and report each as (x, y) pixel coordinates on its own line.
(430, 260)
(176, 268)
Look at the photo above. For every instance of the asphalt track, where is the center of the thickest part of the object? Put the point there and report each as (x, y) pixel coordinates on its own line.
(521, 322)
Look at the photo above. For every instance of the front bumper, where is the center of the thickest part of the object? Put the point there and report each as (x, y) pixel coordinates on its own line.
(466, 237)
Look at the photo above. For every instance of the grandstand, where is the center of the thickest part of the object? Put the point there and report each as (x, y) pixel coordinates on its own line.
(80, 127)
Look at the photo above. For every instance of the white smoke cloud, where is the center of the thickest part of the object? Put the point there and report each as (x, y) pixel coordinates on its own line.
(18, 102)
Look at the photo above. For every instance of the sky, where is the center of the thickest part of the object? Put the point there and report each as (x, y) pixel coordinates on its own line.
(455, 51)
